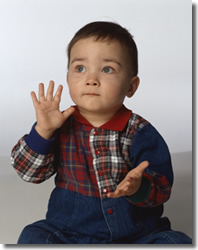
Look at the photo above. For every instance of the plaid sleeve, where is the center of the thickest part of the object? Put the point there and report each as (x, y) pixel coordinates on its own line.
(160, 190)
(31, 166)
(154, 191)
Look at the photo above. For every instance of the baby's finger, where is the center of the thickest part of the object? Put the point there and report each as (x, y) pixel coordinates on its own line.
(142, 166)
(68, 112)
(50, 91)
(121, 190)
(34, 99)
(111, 195)
(58, 94)
(115, 194)
(41, 93)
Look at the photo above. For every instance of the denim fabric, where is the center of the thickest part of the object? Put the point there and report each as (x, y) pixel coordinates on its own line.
(76, 219)
(165, 237)
(107, 218)
(42, 232)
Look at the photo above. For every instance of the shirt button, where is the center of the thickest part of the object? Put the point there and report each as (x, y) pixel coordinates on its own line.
(104, 191)
(100, 173)
(95, 132)
(110, 211)
(97, 152)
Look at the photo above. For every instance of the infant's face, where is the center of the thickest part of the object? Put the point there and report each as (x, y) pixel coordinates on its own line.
(98, 76)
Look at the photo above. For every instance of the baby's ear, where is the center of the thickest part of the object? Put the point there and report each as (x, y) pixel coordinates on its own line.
(135, 81)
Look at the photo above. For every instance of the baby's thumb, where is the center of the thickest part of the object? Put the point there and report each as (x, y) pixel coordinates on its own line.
(68, 112)
(142, 166)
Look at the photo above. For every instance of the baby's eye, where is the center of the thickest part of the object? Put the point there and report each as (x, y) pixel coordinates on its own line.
(108, 70)
(80, 69)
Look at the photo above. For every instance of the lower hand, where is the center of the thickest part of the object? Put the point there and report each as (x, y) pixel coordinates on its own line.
(131, 182)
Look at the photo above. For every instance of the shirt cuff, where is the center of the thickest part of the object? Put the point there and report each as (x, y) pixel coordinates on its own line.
(143, 193)
(37, 143)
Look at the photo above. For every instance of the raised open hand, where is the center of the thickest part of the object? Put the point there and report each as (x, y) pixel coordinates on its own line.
(131, 182)
(49, 117)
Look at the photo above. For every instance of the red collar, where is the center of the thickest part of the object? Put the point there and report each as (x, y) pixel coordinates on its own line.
(117, 123)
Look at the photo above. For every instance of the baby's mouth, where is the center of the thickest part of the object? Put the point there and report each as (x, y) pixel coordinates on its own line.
(91, 94)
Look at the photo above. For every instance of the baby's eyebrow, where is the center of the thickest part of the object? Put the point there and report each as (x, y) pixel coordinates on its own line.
(112, 60)
(78, 59)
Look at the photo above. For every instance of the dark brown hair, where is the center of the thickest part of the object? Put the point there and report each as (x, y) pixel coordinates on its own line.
(108, 31)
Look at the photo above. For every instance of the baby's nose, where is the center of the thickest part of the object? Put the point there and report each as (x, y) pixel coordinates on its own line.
(92, 81)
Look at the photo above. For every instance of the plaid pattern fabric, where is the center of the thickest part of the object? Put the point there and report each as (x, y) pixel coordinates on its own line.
(110, 150)
(31, 166)
(160, 190)
(91, 161)
(75, 171)
(108, 162)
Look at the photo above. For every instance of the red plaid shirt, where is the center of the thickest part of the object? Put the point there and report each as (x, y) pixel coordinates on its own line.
(93, 161)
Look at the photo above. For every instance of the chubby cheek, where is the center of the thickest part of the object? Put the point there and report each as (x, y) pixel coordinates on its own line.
(116, 95)
(72, 91)
(71, 84)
